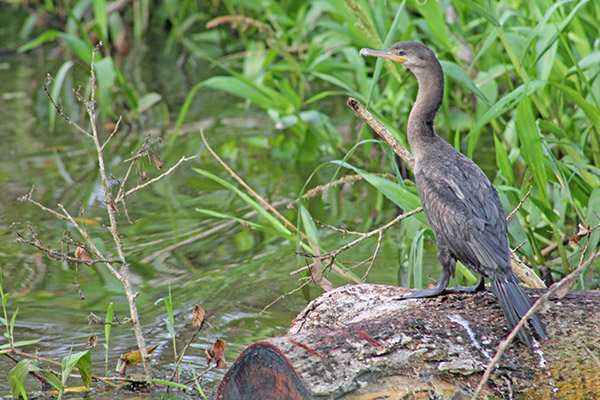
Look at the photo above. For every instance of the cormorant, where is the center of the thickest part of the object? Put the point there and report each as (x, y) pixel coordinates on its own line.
(459, 201)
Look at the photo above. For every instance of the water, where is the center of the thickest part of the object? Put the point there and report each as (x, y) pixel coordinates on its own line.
(233, 273)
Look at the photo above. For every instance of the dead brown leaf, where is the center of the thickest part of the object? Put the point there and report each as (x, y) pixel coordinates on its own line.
(158, 162)
(316, 272)
(198, 316)
(216, 352)
(582, 232)
(92, 342)
(132, 358)
(81, 252)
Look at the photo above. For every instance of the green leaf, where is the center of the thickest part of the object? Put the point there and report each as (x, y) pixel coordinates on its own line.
(534, 33)
(17, 377)
(592, 112)
(78, 46)
(130, 96)
(415, 263)
(257, 207)
(476, 7)
(107, 328)
(52, 379)
(504, 104)
(563, 25)
(108, 321)
(172, 384)
(453, 71)
(101, 17)
(26, 342)
(83, 361)
(531, 147)
(45, 37)
(503, 162)
(261, 96)
(399, 195)
(12, 323)
(55, 90)
(244, 222)
(148, 100)
(431, 11)
(105, 77)
(389, 39)
(310, 228)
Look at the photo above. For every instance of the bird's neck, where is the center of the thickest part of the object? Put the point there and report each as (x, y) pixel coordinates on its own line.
(429, 99)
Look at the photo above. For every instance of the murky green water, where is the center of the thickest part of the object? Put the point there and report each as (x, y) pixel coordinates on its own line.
(232, 272)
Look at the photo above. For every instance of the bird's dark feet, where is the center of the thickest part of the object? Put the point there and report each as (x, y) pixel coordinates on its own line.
(479, 286)
(440, 290)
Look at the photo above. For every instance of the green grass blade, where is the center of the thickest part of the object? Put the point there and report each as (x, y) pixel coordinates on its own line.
(415, 263)
(488, 14)
(45, 37)
(171, 384)
(503, 162)
(107, 328)
(399, 195)
(261, 96)
(504, 104)
(432, 13)
(534, 33)
(531, 147)
(101, 17)
(55, 90)
(563, 25)
(591, 111)
(216, 214)
(253, 204)
(390, 38)
(453, 71)
(310, 228)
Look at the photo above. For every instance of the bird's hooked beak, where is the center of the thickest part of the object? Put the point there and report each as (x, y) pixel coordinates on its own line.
(387, 54)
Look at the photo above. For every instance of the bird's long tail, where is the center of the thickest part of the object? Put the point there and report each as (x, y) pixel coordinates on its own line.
(515, 303)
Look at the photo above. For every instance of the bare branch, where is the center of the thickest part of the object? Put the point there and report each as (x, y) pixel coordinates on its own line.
(61, 111)
(367, 235)
(308, 280)
(520, 204)
(248, 188)
(111, 210)
(151, 181)
(52, 253)
(113, 133)
(364, 278)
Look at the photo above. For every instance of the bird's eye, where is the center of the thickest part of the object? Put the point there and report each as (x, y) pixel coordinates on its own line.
(401, 53)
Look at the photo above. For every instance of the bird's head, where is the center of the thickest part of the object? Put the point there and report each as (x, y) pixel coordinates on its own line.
(413, 55)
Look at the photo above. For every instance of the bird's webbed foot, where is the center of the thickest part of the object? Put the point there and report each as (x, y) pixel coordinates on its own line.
(479, 286)
(441, 289)
(438, 290)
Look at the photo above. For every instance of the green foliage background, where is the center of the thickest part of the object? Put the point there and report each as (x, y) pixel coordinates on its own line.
(521, 98)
